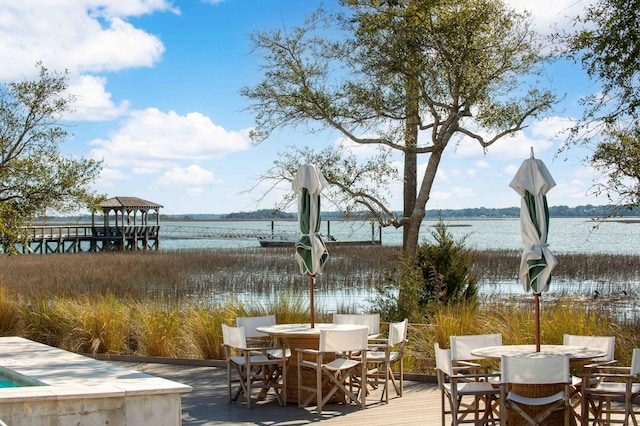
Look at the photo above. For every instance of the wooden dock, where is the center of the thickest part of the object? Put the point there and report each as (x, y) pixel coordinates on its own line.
(87, 238)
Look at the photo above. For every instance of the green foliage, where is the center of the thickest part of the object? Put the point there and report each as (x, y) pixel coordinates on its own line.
(204, 326)
(439, 274)
(606, 43)
(618, 157)
(446, 266)
(380, 74)
(34, 177)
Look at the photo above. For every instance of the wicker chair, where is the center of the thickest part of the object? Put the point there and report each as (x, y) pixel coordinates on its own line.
(535, 370)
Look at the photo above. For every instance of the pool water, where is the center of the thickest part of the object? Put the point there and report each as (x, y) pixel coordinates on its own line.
(11, 379)
(8, 384)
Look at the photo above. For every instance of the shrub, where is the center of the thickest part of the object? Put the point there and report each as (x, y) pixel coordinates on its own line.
(440, 274)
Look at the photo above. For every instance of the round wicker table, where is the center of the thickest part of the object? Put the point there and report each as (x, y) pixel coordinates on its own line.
(575, 354)
(300, 336)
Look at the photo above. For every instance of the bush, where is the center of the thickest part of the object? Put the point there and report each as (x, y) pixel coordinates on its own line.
(440, 274)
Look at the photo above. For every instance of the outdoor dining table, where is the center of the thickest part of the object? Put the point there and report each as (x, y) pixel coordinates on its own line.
(575, 354)
(300, 336)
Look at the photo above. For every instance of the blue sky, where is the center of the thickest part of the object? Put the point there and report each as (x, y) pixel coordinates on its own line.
(158, 100)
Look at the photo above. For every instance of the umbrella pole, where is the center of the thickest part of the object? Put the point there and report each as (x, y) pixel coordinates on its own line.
(313, 310)
(537, 298)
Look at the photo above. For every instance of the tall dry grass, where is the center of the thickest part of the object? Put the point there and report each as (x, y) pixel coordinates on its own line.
(164, 303)
(515, 320)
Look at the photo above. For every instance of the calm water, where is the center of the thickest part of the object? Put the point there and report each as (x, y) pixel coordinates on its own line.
(575, 235)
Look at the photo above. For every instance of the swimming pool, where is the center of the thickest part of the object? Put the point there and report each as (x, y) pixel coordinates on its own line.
(11, 379)
(69, 389)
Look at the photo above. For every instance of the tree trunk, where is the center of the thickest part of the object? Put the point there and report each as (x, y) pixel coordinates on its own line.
(412, 226)
(410, 156)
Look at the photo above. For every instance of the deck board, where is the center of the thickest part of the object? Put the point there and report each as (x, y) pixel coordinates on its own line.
(208, 403)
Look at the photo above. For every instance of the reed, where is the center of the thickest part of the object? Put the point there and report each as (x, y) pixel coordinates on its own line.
(100, 324)
(159, 331)
(8, 312)
(204, 326)
(516, 322)
(173, 303)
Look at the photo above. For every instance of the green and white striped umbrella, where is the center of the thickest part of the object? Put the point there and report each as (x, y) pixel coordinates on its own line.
(532, 181)
(311, 252)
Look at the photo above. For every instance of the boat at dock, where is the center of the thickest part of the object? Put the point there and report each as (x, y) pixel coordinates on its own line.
(289, 240)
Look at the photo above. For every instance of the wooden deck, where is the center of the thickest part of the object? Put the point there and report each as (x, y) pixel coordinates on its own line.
(208, 403)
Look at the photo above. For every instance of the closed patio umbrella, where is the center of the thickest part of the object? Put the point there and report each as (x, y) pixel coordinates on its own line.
(311, 252)
(532, 181)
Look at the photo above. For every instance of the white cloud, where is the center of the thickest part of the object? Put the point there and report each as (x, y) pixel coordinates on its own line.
(482, 164)
(151, 140)
(193, 175)
(110, 177)
(551, 127)
(80, 35)
(93, 102)
(128, 7)
(548, 14)
(195, 192)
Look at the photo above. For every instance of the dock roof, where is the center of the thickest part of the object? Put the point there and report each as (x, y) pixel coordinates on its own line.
(129, 202)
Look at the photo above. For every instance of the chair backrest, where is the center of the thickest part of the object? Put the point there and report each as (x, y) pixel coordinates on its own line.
(370, 320)
(250, 324)
(397, 332)
(461, 346)
(635, 362)
(605, 343)
(233, 337)
(355, 339)
(535, 369)
(443, 359)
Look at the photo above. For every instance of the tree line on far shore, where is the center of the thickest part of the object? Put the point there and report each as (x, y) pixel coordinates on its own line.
(587, 210)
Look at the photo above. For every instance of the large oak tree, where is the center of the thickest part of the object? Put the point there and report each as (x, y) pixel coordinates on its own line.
(406, 76)
(35, 178)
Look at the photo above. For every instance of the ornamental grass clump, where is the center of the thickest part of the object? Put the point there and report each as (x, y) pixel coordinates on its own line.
(159, 330)
(8, 313)
(102, 324)
(204, 327)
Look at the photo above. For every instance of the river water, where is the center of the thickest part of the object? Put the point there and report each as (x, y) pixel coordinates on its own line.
(566, 235)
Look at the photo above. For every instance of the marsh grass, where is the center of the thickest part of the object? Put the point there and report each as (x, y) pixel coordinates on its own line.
(8, 312)
(168, 304)
(515, 320)
(159, 331)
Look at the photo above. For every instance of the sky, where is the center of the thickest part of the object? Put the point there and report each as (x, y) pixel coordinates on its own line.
(157, 86)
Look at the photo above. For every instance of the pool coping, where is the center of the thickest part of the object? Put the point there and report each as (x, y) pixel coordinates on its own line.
(51, 366)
